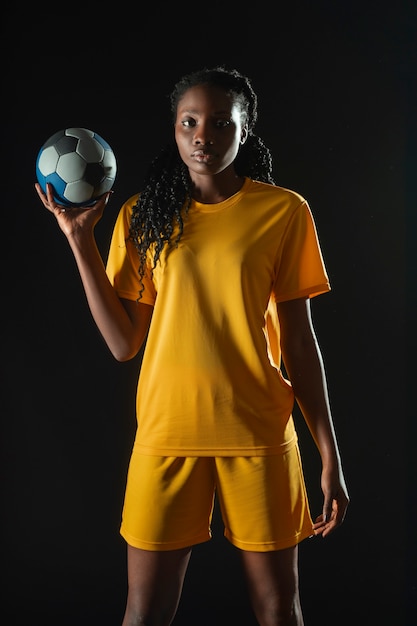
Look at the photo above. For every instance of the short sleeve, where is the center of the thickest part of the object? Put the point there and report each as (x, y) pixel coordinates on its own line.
(300, 269)
(122, 266)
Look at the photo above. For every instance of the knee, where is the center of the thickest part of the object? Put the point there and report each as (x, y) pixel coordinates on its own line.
(139, 613)
(282, 609)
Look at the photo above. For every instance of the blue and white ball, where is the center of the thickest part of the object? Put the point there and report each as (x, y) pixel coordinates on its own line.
(79, 164)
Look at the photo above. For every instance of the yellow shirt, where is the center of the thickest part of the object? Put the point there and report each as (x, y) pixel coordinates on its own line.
(210, 382)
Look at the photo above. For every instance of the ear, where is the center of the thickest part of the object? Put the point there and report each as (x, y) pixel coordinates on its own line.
(244, 134)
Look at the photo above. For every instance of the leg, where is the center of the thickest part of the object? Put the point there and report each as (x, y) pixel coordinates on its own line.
(155, 582)
(273, 586)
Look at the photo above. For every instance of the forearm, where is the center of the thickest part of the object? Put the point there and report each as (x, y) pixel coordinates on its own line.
(107, 310)
(306, 371)
(122, 323)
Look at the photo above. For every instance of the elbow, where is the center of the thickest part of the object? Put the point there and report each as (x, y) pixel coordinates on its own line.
(124, 352)
(123, 356)
(126, 344)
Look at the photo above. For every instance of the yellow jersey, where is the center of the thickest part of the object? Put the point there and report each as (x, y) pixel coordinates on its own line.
(210, 382)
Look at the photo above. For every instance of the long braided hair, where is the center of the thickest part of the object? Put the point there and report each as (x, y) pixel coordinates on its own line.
(167, 191)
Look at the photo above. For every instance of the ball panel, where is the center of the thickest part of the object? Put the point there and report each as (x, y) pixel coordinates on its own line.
(53, 139)
(66, 145)
(79, 133)
(79, 192)
(90, 150)
(109, 164)
(93, 174)
(48, 160)
(104, 186)
(71, 167)
(59, 187)
(102, 141)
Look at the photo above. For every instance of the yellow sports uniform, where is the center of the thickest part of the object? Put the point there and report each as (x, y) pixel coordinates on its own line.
(210, 383)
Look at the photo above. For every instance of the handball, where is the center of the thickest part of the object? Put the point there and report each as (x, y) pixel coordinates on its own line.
(79, 164)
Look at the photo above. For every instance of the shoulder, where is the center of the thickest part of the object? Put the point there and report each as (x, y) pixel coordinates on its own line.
(125, 211)
(128, 205)
(276, 191)
(280, 201)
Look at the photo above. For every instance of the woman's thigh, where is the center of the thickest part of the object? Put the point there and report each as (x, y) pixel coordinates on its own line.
(273, 584)
(155, 582)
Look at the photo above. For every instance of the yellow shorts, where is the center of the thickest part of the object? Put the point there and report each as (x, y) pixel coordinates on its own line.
(169, 501)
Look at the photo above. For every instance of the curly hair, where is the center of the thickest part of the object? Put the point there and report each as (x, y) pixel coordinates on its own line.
(167, 191)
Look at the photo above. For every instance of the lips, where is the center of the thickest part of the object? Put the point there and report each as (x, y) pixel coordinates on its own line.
(202, 156)
(201, 153)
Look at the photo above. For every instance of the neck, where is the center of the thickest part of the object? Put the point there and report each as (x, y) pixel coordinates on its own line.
(214, 189)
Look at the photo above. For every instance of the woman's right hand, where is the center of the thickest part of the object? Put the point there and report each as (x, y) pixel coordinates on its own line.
(73, 220)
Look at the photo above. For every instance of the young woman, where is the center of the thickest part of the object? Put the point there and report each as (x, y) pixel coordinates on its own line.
(215, 266)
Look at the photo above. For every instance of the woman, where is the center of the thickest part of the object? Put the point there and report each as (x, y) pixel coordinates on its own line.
(215, 266)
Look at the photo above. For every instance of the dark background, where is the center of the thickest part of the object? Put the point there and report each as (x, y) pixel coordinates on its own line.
(337, 103)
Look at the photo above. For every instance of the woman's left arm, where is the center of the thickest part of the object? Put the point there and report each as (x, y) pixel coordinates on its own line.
(305, 368)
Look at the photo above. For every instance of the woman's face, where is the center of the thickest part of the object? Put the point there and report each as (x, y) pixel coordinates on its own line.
(208, 129)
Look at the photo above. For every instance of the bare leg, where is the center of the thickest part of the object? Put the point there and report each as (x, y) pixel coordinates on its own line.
(155, 584)
(273, 586)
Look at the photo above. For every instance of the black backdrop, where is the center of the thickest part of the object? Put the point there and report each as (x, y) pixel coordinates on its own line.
(336, 88)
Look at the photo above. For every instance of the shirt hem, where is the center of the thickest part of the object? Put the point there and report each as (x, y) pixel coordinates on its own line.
(216, 452)
(128, 295)
(310, 292)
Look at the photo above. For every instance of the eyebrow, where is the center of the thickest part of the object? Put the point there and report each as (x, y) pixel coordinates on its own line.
(196, 112)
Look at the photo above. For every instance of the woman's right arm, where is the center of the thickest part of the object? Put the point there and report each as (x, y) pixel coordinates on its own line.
(122, 323)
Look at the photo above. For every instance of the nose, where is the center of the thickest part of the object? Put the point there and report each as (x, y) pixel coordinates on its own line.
(202, 135)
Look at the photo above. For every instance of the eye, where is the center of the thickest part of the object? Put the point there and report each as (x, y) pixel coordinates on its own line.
(222, 123)
(188, 122)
